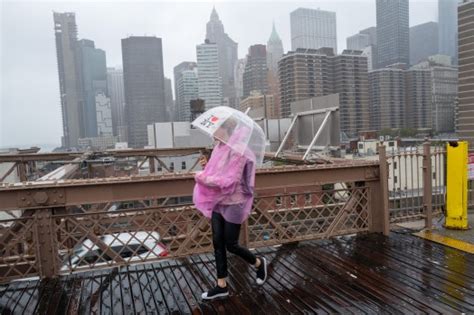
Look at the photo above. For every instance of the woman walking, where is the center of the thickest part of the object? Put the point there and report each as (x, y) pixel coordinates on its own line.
(224, 189)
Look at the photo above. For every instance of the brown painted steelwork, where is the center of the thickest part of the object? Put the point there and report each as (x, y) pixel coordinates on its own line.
(48, 222)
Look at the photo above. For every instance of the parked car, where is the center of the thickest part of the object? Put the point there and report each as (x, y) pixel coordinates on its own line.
(133, 247)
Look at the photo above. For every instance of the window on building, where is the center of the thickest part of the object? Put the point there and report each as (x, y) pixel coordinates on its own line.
(391, 143)
(172, 166)
(395, 165)
(183, 165)
(361, 146)
(395, 179)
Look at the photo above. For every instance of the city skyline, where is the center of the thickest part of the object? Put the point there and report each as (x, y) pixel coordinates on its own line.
(46, 96)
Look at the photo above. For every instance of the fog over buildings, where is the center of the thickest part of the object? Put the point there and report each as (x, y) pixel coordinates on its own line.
(30, 105)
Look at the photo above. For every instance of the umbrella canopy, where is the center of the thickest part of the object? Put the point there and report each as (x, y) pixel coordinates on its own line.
(235, 129)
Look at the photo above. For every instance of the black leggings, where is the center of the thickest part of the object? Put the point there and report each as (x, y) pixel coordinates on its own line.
(226, 235)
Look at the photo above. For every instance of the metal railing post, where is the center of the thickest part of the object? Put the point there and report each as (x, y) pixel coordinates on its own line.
(46, 245)
(427, 186)
(384, 189)
(244, 234)
(151, 164)
(379, 219)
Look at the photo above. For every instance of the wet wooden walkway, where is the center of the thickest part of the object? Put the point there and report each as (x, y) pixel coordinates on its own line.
(365, 274)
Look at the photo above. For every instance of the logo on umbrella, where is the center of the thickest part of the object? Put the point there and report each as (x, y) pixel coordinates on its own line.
(210, 121)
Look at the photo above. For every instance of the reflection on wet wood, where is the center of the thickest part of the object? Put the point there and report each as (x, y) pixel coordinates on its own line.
(368, 274)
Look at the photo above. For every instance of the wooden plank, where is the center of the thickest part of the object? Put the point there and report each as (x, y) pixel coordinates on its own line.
(97, 287)
(404, 295)
(106, 291)
(456, 274)
(185, 291)
(55, 300)
(247, 284)
(171, 303)
(331, 301)
(23, 302)
(433, 249)
(152, 285)
(277, 295)
(146, 294)
(244, 303)
(135, 292)
(73, 299)
(234, 299)
(323, 287)
(12, 295)
(403, 272)
(84, 304)
(181, 270)
(32, 302)
(5, 294)
(291, 289)
(340, 277)
(63, 300)
(202, 270)
(365, 274)
(125, 287)
(47, 288)
(117, 294)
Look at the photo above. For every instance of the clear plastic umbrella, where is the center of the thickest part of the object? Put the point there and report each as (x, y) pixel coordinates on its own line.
(235, 129)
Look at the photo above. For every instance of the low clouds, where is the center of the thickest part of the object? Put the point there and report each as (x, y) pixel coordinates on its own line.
(30, 112)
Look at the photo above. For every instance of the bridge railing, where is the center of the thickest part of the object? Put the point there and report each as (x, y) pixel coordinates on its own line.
(51, 229)
(417, 182)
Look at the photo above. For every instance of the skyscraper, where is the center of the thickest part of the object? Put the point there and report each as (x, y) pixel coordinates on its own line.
(393, 44)
(372, 32)
(115, 90)
(423, 41)
(256, 72)
(144, 86)
(103, 115)
(465, 110)
(358, 41)
(387, 98)
(274, 50)
(448, 28)
(170, 108)
(227, 54)
(274, 53)
(301, 74)
(313, 29)
(239, 78)
(444, 85)
(400, 98)
(94, 82)
(70, 81)
(209, 79)
(418, 110)
(366, 41)
(351, 82)
(186, 88)
(307, 73)
(260, 106)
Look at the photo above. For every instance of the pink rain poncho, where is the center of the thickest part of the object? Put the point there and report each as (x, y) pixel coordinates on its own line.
(227, 183)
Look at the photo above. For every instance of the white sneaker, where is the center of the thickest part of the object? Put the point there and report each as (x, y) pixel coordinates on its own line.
(262, 271)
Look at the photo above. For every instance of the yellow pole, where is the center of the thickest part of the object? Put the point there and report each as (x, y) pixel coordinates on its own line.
(456, 185)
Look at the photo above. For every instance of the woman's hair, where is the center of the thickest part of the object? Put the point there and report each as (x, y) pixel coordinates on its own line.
(229, 125)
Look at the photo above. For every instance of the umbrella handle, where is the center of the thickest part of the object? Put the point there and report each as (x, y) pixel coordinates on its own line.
(247, 111)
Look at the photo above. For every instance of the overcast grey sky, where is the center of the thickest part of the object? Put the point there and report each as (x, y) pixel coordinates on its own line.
(30, 112)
